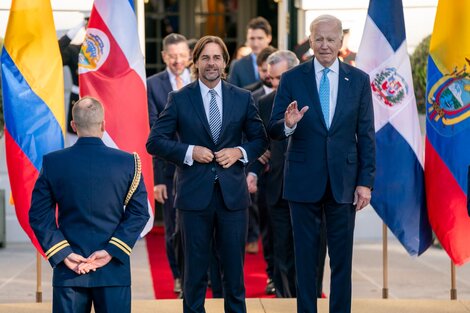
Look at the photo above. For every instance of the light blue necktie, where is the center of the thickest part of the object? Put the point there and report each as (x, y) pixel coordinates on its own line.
(215, 120)
(324, 94)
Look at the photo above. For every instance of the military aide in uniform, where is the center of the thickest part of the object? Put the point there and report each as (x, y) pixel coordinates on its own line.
(90, 241)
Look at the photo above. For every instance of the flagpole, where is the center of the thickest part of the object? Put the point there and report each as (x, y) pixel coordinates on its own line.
(453, 287)
(385, 261)
(38, 278)
(140, 13)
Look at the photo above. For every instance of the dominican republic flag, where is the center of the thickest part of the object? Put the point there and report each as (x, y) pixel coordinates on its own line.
(398, 195)
(33, 99)
(448, 128)
(111, 68)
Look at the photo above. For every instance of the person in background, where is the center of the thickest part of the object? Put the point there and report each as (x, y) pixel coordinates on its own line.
(88, 208)
(258, 36)
(209, 116)
(242, 51)
(325, 106)
(175, 76)
(70, 51)
(278, 208)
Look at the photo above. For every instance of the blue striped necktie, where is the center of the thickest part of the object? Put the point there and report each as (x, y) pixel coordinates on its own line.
(324, 94)
(215, 120)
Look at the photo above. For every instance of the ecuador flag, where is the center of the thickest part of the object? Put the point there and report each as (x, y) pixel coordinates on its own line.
(33, 96)
(448, 128)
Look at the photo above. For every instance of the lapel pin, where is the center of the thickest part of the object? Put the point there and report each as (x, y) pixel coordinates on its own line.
(347, 79)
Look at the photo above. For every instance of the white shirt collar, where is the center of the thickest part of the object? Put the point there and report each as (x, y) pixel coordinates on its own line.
(205, 89)
(185, 76)
(318, 67)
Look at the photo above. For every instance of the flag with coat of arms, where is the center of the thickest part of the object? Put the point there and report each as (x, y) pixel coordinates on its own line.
(398, 196)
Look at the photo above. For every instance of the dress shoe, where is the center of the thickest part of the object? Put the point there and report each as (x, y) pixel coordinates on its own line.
(177, 285)
(270, 289)
(252, 247)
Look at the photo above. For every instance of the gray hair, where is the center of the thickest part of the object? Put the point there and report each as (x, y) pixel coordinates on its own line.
(88, 113)
(283, 55)
(327, 18)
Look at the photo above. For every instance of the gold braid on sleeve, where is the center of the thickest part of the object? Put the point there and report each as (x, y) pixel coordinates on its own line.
(136, 179)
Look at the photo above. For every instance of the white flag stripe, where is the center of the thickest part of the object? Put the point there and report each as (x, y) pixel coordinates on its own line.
(122, 11)
(375, 49)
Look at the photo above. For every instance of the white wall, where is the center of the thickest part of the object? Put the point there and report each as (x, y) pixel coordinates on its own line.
(419, 18)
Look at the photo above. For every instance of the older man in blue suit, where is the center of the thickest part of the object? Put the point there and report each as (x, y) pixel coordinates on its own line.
(210, 117)
(101, 210)
(330, 160)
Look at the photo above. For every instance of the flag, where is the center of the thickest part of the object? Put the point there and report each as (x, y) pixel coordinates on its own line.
(448, 128)
(111, 69)
(398, 195)
(33, 95)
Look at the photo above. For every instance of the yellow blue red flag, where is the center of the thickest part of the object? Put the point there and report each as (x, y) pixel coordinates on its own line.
(447, 154)
(33, 96)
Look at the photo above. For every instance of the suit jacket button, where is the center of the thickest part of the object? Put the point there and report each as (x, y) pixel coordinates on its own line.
(213, 169)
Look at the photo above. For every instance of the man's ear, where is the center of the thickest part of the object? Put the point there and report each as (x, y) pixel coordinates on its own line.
(103, 126)
(74, 127)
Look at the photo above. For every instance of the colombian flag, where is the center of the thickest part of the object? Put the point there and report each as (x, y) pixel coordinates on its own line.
(111, 68)
(33, 96)
(448, 128)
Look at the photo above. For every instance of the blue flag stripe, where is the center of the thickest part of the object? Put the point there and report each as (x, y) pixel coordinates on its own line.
(28, 119)
(388, 16)
(392, 199)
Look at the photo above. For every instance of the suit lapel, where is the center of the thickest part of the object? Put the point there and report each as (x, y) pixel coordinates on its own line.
(166, 84)
(343, 87)
(311, 87)
(196, 100)
(227, 106)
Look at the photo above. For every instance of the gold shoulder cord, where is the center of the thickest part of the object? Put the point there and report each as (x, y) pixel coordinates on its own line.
(136, 179)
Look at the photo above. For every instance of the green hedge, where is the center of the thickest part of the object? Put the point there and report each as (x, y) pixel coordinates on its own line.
(419, 65)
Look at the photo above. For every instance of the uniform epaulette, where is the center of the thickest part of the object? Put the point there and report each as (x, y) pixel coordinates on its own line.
(136, 179)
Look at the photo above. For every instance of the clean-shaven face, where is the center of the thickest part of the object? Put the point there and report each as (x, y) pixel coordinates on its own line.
(326, 41)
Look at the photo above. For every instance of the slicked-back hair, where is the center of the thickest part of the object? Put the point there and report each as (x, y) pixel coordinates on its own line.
(260, 23)
(264, 54)
(173, 39)
(88, 114)
(283, 55)
(200, 45)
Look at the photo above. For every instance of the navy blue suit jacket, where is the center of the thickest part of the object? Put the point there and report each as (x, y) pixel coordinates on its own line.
(88, 182)
(242, 72)
(343, 154)
(158, 88)
(184, 115)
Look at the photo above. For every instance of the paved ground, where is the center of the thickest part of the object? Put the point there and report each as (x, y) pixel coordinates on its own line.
(426, 277)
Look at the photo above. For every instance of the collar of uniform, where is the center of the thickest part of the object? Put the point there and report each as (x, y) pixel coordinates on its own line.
(89, 141)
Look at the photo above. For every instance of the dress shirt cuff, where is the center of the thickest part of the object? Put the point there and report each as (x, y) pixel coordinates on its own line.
(289, 131)
(253, 174)
(245, 157)
(188, 158)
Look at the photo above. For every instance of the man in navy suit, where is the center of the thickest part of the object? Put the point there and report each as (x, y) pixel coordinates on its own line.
(330, 160)
(175, 54)
(244, 72)
(101, 210)
(210, 118)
